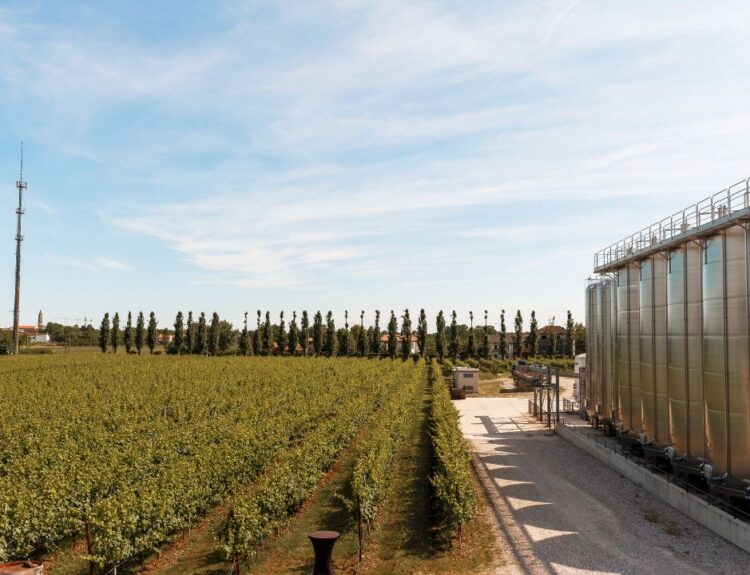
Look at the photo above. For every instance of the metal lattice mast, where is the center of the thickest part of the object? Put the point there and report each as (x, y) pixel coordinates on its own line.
(21, 185)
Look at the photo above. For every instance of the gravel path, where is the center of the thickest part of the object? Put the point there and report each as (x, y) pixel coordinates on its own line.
(560, 511)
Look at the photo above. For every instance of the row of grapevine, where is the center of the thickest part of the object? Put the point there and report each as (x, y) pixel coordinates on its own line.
(258, 513)
(135, 452)
(451, 476)
(376, 456)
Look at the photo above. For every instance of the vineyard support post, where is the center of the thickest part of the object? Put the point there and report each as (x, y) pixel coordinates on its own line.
(557, 395)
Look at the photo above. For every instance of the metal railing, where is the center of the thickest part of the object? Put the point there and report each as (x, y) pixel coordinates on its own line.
(721, 205)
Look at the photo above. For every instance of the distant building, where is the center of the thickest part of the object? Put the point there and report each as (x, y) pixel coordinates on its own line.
(552, 340)
(413, 348)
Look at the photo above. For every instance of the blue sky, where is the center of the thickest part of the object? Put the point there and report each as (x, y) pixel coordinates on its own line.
(338, 155)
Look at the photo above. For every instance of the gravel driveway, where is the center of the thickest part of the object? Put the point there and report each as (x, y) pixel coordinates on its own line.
(561, 511)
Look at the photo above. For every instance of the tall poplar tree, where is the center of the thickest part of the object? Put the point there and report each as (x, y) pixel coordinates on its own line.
(244, 339)
(471, 348)
(293, 335)
(115, 336)
(140, 332)
(454, 343)
(440, 336)
(569, 347)
(151, 332)
(329, 345)
(392, 336)
(422, 332)
(213, 335)
(104, 333)
(317, 333)
(375, 334)
(503, 336)
(304, 333)
(201, 335)
(281, 335)
(518, 325)
(179, 333)
(485, 339)
(127, 336)
(190, 334)
(362, 336)
(344, 337)
(532, 334)
(267, 335)
(405, 335)
(256, 336)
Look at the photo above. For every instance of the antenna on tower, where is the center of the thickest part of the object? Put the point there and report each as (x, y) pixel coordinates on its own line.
(21, 185)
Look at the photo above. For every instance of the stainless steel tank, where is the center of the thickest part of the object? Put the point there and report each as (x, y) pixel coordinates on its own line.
(737, 351)
(696, 432)
(646, 332)
(677, 371)
(714, 351)
(634, 347)
(661, 384)
(622, 301)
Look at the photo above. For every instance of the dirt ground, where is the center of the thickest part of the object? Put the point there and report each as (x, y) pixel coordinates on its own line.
(560, 511)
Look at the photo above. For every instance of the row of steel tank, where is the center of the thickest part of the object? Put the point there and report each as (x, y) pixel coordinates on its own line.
(668, 349)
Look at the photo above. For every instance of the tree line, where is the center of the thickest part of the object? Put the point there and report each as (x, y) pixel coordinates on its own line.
(320, 337)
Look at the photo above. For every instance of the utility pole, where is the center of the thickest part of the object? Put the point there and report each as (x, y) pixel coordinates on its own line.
(21, 185)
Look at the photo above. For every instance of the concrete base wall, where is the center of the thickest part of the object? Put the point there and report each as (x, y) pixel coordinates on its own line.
(718, 521)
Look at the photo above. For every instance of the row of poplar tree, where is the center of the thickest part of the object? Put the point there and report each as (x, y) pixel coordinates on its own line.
(321, 337)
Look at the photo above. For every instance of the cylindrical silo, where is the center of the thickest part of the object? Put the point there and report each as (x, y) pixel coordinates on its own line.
(622, 346)
(677, 372)
(634, 347)
(737, 351)
(693, 262)
(646, 332)
(661, 384)
(714, 351)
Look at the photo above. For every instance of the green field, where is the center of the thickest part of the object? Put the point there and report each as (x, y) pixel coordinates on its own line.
(138, 451)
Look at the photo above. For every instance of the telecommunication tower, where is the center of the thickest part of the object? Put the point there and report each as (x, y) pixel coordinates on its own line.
(21, 185)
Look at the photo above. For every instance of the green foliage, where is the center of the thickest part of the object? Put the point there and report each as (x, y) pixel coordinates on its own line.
(405, 335)
(317, 333)
(267, 335)
(454, 343)
(329, 343)
(141, 450)
(140, 332)
(518, 325)
(213, 335)
(375, 334)
(440, 336)
(569, 327)
(422, 332)
(256, 336)
(533, 333)
(503, 336)
(471, 348)
(104, 333)
(281, 342)
(245, 339)
(485, 339)
(293, 334)
(304, 334)
(375, 457)
(259, 512)
(115, 334)
(190, 334)
(343, 337)
(362, 336)
(451, 477)
(179, 333)
(392, 335)
(201, 336)
(151, 332)
(127, 335)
